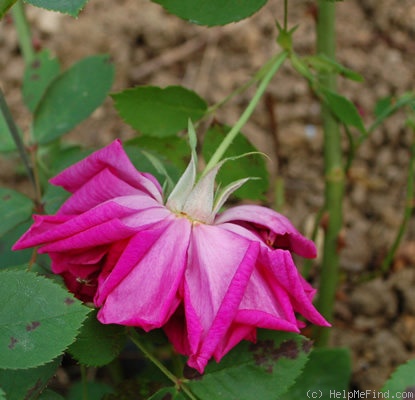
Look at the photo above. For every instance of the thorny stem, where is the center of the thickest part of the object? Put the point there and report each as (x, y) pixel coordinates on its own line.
(23, 31)
(334, 175)
(220, 151)
(177, 382)
(409, 206)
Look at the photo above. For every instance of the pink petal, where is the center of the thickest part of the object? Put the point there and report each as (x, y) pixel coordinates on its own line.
(220, 265)
(81, 263)
(55, 228)
(142, 289)
(101, 187)
(40, 228)
(281, 269)
(114, 158)
(106, 233)
(282, 233)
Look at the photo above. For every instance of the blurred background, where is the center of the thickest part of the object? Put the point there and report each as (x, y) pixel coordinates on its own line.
(375, 315)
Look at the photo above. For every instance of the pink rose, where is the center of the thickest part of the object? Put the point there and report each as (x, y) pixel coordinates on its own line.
(208, 279)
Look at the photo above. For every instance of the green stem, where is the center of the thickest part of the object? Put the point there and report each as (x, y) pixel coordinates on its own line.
(285, 15)
(14, 132)
(334, 175)
(220, 151)
(409, 206)
(177, 382)
(84, 382)
(23, 31)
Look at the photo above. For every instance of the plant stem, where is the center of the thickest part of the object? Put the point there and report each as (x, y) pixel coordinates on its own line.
(177, 382)
(23, 31)
(220, 151)
(14, 132)
(84, 382)
(285, 15)
(334, 176)
(409, 206)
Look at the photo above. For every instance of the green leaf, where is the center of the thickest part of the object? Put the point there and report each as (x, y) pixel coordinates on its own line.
(402, 381)
(142, 162)
(37, 76)
(344, 110)
(27, 383)
(71, 7)
(324, 64)
(249, 166)
(5, 6)
(38, 319)
(266, 369)
(174, 149)
(50, 395)
(11, 258)
(170, 393)
(97, 344)
(213, 12)
(72, 97)
(159, 112)
(319, 377)
(94, 391)
(15, 208)
(6, 142)
(382, 106)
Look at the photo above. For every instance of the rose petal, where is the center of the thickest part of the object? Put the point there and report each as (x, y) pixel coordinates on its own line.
(116, 160)
(142, 289)
(54, 228)
(281, 269)
(286, 235)
(215, 281)
(101, 187)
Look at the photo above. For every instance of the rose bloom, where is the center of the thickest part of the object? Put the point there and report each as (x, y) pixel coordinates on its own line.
(208, 279)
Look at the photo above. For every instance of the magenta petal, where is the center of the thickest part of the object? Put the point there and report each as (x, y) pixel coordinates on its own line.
(215, 282)
(101, 187)
(282, 234)
(142, 289)
(114, 158)
(98, 235)
(95, 227)
(80, 263)
(281, 269)
(40, 228)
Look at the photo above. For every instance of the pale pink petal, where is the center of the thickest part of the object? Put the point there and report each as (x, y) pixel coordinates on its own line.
(114, 158)
(281, 233)
(220, 265)
(142, 289)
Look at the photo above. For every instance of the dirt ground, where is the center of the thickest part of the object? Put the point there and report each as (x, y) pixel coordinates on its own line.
(375, 318)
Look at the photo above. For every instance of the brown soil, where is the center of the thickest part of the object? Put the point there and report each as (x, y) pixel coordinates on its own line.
(374, 318)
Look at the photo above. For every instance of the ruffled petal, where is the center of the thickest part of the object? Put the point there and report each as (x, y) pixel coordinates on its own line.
(219, 269)
(143, 288)
(101, 187)
(53, 228)
(280, 269)
(279, 231)
(114, 158)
